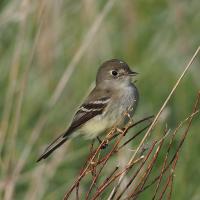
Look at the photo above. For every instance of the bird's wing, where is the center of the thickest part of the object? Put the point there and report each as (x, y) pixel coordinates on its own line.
(86, 112)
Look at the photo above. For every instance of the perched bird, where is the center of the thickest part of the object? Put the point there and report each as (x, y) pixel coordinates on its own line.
(112, 96)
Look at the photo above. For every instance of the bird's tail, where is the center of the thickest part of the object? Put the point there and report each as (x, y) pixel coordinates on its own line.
(53, 146)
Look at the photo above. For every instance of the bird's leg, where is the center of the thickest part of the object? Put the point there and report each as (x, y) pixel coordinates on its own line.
(104, 145)
(127, 114)
(92, 146)
(99, 140)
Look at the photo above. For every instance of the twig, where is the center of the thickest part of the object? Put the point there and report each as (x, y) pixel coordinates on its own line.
(156, 118)
(167, 153)
(129, 140)
(105, 185)
(147, 172)
(84, 170)
(137, 171)
(171, 188)
(131, 126)
(169, 178)
(104, 160)
(190, 118)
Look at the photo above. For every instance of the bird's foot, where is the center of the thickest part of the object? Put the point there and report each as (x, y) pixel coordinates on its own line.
(105, 143)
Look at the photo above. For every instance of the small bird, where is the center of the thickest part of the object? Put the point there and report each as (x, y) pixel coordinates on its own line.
(112, 96)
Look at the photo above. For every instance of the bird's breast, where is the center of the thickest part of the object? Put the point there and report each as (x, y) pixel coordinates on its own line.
(95, 126)
(113, 113)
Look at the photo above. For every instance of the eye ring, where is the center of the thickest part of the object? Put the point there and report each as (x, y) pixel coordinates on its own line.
(114, 73)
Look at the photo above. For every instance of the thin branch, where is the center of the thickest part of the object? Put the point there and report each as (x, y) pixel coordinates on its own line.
(147, 171)
(129, 140)
(156, 118)
(169, 178)
(190, 118)
(137, 171)
(90, 160)
(104, 186)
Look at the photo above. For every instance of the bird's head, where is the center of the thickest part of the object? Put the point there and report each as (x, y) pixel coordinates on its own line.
(114, 73)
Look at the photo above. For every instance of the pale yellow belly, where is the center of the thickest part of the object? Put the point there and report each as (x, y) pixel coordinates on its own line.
(94, 127)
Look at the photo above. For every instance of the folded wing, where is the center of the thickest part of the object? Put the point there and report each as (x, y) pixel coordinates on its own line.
(86, 112)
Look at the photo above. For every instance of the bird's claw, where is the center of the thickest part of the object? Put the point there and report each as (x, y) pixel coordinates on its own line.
(104, 145)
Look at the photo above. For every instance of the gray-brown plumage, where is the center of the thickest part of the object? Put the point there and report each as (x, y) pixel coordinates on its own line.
(112, 96)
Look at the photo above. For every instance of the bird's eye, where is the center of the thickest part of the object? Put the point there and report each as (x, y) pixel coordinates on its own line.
(114, 73)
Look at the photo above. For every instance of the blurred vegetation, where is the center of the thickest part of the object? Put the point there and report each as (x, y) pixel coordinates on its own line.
(40, 40)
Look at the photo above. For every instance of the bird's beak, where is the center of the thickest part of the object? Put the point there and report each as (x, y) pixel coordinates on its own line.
(132, 73)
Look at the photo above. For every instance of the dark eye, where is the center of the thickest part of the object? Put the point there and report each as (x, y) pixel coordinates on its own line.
(114, 73)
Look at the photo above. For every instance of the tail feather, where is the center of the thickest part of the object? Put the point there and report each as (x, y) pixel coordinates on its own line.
(53, 146)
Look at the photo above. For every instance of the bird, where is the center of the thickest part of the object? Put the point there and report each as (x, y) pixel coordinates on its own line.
(113, 94)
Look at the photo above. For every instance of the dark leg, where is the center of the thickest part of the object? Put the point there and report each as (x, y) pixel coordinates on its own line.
(104, 145)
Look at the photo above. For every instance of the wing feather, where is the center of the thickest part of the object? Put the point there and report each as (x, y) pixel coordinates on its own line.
(86, 112)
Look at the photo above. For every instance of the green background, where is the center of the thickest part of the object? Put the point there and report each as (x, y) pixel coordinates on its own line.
(40, 41)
